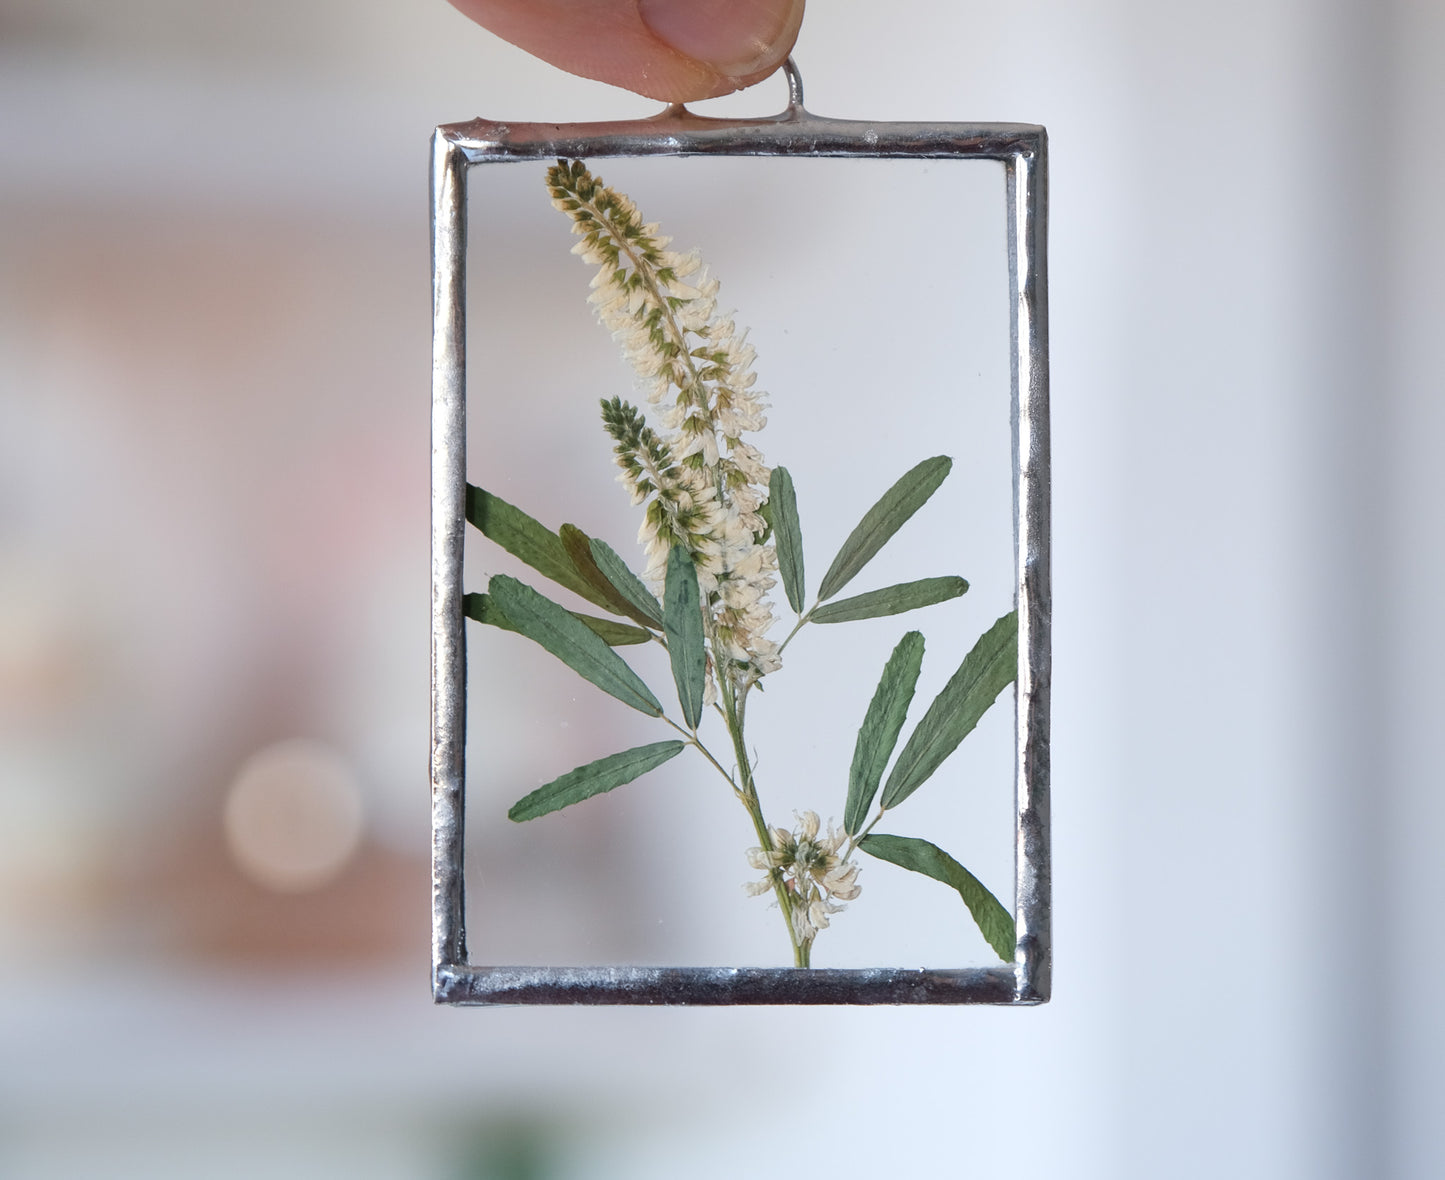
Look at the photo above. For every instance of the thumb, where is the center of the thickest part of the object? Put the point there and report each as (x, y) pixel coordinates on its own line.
(673, 50)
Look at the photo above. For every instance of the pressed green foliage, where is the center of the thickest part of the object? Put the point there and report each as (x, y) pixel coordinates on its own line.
(546, 623)
(881, 725)
(529, 541)
(788, 534)
(579, 550)
(884, 519)
(984, 673)
(995, 923)
(661, 324)
(594, 779)
(682, 623)
(612, 633)
(765, 510)
(484, 610)
(892, 600)
(628, 584)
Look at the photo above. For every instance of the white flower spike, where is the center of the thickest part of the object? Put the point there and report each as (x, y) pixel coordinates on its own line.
(701, 483)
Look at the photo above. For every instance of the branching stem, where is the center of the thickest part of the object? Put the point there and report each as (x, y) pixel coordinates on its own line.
(798, 626)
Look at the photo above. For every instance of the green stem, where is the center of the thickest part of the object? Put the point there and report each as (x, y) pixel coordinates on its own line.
(748, 794)
(696, 742)
(798, 626)
(858, 839)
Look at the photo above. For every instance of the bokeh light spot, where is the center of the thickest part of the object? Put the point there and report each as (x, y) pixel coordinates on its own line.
(293, 816)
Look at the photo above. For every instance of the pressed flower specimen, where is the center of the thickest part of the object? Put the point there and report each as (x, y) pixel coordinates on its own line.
(719, 532)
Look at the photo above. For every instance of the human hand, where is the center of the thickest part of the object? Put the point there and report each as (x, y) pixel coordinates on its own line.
(673, 50)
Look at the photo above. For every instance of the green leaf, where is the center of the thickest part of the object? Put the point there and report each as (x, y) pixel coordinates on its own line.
(682, 623)
(995, 923)
(628, 584)
(893, 600)
(484, 610)
(612, 633)
(884, 519)
(543, 621)
(529, 541)
(984, 673)
(765, 510)
(594, 779)
(579, 550)
(789, 535)
(881, 725)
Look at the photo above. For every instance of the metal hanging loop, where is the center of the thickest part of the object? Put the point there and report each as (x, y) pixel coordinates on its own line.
(795, 87)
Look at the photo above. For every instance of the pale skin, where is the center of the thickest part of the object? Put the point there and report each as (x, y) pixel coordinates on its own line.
(672, 50)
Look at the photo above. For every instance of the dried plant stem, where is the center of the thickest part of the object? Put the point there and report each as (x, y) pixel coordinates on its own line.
(747, 793)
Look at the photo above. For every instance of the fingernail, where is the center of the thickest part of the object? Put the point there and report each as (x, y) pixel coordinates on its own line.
(734, 37)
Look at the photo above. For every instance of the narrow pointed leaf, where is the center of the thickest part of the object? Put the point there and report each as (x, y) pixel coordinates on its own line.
(995, 923)
(892, 600)
(628, 584)
(682, 622)
(884, 519)
(594, 779)
(985, 672)
(880, 729)
(783, 505)
(579, 550)
(481, 608)
(529, 541)
(611, 632)
(543, 621)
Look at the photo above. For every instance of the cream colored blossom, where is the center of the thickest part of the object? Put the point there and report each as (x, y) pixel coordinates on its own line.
(702, 485)
(815, 876)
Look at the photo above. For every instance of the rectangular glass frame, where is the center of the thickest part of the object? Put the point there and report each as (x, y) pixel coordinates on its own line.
(1022, 148)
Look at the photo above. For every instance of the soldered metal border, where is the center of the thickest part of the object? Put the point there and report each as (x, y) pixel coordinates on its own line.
(1022, 149)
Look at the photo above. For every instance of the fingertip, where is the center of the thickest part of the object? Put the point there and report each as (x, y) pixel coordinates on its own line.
(741, 41)
(671, 50)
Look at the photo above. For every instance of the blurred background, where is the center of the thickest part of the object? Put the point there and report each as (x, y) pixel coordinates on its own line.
(214, 350)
